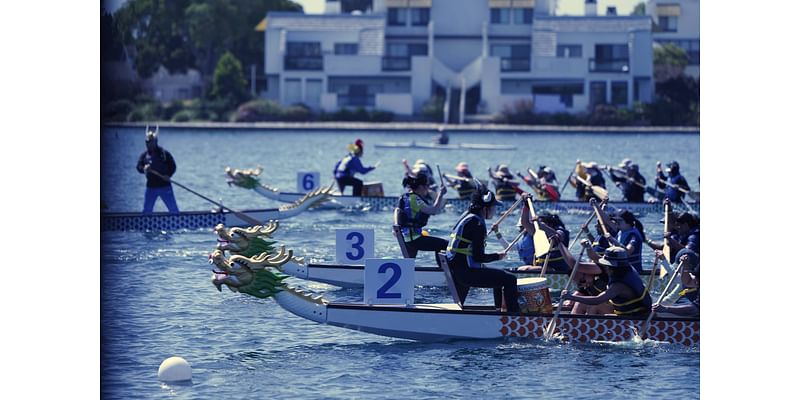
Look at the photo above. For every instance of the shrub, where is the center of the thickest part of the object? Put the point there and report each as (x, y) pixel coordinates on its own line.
(118, 110)
(183, 116)
(257, 110)
(381, 116)
(298, 113)
(433, 109)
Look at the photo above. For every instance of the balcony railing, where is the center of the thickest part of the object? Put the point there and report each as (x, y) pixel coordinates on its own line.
(396, 63)
(302, 63)
(515, 64)
(609, 65)
(344, 100)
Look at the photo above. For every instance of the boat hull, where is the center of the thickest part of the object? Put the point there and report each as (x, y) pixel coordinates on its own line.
(183, 220)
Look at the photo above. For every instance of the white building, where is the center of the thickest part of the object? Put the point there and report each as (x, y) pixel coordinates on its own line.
(479, 54)
(678, 22)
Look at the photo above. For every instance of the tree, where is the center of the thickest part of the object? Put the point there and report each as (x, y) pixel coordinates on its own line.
(640, 9)
(669, 61)
(229, 84)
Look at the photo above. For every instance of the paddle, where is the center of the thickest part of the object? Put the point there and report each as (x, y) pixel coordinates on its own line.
(532, 183)
(513, 242)
(600, 219)
(667, 231)
(377, 164)
(533, 174)
(578, 236)
(241, 215)
(694, 195)
(567, 181)
(653, 272)
(540, 242)
(660, 299)
(505, 214)
(597, 190)
(546, 260)
(548, 333)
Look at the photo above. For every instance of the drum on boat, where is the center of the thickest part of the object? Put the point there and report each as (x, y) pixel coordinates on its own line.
(534, 296)
(374, 189)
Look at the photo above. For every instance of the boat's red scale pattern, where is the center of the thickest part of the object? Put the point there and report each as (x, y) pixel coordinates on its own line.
(613, 330)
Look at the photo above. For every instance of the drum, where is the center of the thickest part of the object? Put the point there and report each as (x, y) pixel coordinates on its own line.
(534, 296)
(374, 189)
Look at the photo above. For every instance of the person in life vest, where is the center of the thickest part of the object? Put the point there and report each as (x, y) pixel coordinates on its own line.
(556, 232)
(688, 303)
(629, 235)
(676, 181)
(504, 184)
(548, 181)
(412, 212)
(464, 183)
(684, 234)
(465, 254)
(625, 292)
(155, 158)
(589, 172)
(591, 280)
(631, 183)
(347, 167)
(599, 243)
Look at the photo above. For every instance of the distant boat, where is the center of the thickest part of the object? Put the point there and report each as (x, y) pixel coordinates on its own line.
(462, 146)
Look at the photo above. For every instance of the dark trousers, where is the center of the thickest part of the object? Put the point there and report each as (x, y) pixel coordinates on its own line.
(504, 284)
(426, 243)
(357, 184)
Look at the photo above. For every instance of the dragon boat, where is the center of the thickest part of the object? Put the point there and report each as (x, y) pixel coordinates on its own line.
(258, 276)
(437, 146)
(164, 221)
(248, 179)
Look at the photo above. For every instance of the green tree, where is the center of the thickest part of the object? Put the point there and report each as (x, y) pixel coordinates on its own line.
(640, 9)
(229, 83)
(669, 61)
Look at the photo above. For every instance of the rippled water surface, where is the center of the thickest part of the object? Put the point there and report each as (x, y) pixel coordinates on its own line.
(157, 299)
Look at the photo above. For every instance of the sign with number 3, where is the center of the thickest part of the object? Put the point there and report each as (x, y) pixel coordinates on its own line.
(389, 281)
(353, 246)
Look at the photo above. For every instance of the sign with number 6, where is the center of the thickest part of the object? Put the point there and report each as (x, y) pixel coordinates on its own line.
(389, 281)
(307, 181)
(353, 246)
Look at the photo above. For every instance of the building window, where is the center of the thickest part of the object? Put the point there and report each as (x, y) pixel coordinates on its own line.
(668, 24)
(398, 16)
(345, 48)
(348, 6)
(565, 90)
(303, 56)
(610, 58)
(569, 51)
(513, 57)
(522, 16)
(619, 93)
(501, 16)
(597, 93)
(420, 16)
(398, 55)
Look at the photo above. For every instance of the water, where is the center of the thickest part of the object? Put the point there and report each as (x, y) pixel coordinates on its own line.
(157, 299)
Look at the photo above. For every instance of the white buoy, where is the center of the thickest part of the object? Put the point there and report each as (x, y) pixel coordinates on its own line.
(175, 369)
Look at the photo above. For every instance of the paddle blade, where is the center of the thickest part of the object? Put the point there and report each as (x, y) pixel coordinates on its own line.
(540, 243)
(662, 272)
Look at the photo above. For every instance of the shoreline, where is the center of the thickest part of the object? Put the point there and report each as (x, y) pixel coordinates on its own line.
(407, 126)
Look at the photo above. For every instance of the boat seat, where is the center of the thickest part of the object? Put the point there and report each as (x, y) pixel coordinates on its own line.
(458, 298)
(400, 241)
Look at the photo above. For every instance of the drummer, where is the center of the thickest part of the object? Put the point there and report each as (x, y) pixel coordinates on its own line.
(465, 254)
(412, 212)
(625, 292)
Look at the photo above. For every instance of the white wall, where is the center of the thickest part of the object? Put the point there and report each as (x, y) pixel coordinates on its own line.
(352, 65)
(420, 81)
(401, 104)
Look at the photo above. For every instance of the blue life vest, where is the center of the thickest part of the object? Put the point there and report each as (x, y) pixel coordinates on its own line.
(600, 245)
(625, 237)
(640, 303)
(461, 245)
(411, 218)
(672, 192)
(525, 248)
(342, 168)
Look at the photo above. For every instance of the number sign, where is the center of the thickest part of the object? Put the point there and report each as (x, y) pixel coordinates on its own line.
(353, 246)
(307, 181)
(389, 281)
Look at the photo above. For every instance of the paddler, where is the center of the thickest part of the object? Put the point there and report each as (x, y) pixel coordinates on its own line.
(347, 167)
(465, 254)
(463, 182)
(632, 184)
(504, 184)
(589, 172)
(688, 303)
(548, 180)
(442, 138)
(157, 159)
(591, 281)
(412, 212)
(555, 231)
(685, 234)
(675, 180)
(626, 291)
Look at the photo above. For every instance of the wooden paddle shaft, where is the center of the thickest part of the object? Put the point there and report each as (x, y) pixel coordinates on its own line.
(241, 215)
(660, 298)
(513, 242)
(546, 260)
(665, 249)
(578, 236)
(551, 326)
(506, 214)
(600, 219)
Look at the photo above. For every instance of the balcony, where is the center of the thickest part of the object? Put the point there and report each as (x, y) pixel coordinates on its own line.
(302, 63)
(609, 65)
(515, 64)
(396, 63)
